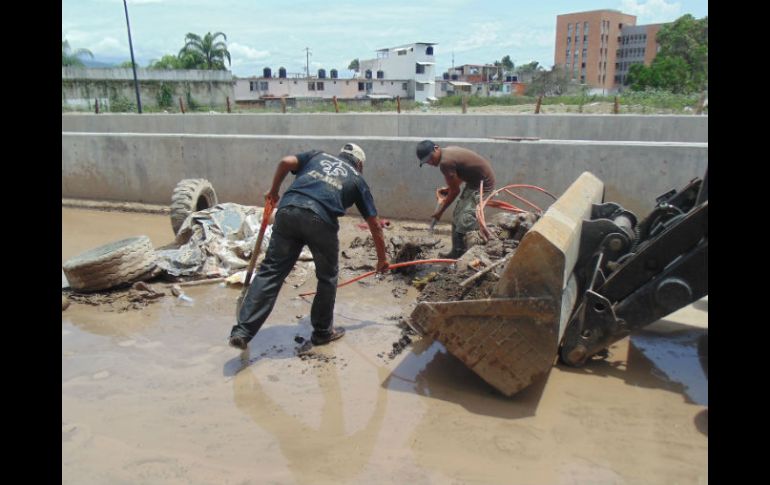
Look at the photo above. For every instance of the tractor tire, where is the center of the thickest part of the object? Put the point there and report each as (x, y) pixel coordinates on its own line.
(190, 195)
(111, 265)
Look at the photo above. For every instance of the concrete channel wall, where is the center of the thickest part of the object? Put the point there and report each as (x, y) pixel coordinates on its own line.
(137, 167)
(548, 127)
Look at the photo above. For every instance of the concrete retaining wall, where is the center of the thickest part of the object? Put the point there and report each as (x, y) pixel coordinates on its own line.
(423, 125)
(115, 87)
(146, 167)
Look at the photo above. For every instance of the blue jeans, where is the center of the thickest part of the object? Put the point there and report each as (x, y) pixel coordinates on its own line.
(294, 228)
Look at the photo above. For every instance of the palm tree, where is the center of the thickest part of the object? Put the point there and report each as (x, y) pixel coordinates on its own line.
(69, 58)
(211, 53)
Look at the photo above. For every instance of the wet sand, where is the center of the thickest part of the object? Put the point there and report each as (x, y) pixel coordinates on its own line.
(155, 395)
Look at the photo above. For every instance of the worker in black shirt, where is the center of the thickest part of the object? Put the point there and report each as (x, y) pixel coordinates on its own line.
(324, 187)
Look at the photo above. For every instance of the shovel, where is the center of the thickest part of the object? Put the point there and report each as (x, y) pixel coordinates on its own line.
(266, 212)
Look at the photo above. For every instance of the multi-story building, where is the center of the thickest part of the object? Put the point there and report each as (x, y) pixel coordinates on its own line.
(406, 71)
(598, 47)
(254, 88)
(586, 43)
(479, 80)
(638, 45)
(414, 63)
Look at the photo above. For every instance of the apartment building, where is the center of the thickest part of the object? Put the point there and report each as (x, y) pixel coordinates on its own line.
(637, 45)
(598, 47)
(415, 63)
(479, 80)
(587, 43)
(300, 86)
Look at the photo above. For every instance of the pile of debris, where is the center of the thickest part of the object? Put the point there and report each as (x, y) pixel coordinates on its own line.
(477, 271)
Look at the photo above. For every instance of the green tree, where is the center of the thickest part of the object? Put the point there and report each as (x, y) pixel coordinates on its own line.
(69, 58)
(169, 61)
(507, 63)
(354, 66)
(548, 83)
(127, 64)
(681, 65)
(206, 52)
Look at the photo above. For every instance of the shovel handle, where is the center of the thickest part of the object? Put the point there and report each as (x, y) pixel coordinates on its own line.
(266, 212)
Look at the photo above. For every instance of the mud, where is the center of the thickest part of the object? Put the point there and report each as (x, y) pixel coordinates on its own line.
(155, 395)
(446, 287)
(118, 300)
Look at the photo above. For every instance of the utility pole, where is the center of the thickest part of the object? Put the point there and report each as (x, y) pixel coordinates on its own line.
(307, 65)
(133, 63)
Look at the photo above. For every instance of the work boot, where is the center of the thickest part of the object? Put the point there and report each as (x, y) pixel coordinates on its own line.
(458, 246)
(238, 342)
(323, 339)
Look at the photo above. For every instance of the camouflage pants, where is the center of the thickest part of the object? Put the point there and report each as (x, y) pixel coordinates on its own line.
(464, 217)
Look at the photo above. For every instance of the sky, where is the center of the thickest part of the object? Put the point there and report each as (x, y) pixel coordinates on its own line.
(275, 33)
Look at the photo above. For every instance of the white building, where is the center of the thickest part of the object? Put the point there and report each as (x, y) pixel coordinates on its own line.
(259, 88)
(415, 63)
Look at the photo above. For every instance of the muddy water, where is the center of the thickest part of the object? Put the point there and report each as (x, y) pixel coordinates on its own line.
(156, 396)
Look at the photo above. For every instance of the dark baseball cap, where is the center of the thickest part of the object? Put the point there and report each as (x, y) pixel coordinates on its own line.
(424, 150)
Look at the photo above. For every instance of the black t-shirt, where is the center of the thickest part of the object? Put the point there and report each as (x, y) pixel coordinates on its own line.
(328, 185)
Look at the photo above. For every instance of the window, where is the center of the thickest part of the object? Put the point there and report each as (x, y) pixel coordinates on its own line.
(585, 28)
(569, 40)
(368, 86)
(311, 86)
(583, 65)
(380, 74)
(401, 52)
(263, 85)
(582, 79)
(419, 69)
(429, 51)
(420, 87)
(368, 74)
(404, 86)
(360, 86)
(252, 85)
(320, 86)
(443, 86)
(585, 54)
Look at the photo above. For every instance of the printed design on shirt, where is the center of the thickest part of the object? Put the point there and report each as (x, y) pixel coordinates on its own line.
(325, 178)
(334, 168)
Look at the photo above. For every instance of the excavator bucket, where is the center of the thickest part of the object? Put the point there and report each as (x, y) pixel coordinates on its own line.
(512, 338)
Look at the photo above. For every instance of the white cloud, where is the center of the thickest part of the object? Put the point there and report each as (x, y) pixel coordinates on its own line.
(243, 54)
(109, 46)
(652, 11)
(482, 35)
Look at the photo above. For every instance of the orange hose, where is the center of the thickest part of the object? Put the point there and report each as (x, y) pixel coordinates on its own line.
(392, 266)
(483, 202)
